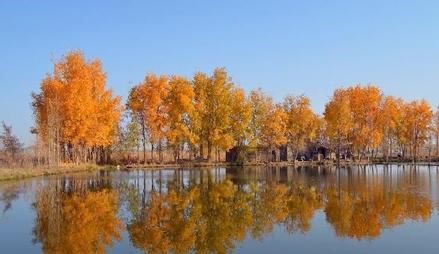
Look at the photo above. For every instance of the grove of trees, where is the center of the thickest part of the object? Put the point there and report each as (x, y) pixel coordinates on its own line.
(174, 118)
(76, 116)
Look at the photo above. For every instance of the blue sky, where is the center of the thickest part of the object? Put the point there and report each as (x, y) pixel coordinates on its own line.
(284, 47)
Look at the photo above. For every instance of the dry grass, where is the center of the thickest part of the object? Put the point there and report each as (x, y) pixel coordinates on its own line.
(20, 173)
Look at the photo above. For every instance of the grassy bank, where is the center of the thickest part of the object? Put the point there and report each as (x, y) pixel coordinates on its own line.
(21, 173)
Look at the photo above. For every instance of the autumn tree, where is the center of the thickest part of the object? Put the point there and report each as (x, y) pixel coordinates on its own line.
(146, 103)
(365, 106)
(417, 121)
(213, 101)
(261, 105)
(435, 129)
(338, 120)
(302, 123)
(241, 113)
(391, 120)
(274, 129)
(74, 112)
(181, 111)
(48, 108)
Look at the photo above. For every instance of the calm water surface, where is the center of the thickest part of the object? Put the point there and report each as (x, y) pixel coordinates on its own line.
(372, 209)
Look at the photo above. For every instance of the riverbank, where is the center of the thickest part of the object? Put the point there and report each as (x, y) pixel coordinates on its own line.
(21, 173)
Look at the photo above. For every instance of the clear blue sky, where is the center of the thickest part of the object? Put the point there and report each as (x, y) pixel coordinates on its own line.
(284, 47)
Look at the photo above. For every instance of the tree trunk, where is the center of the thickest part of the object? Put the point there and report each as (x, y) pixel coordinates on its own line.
(209, 150)
(152, 152)
(144, 141)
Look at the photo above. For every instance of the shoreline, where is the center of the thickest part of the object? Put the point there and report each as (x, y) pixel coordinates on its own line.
(11, 174)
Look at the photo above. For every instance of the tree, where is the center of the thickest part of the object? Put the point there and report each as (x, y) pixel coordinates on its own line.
(338, 120)
(181, 112)
(261, 105)
(435, 129)
(146, 102)
(274, 128)
(240, 121)
(418, 119)
(136, 106)
(10, 144)
(391, 117)
(365, 106)
(301, 124)
(48, 108)
(74, 112)
(213, 100)
(132, 138)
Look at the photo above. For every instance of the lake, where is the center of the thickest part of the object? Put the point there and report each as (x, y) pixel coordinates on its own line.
(355, 209)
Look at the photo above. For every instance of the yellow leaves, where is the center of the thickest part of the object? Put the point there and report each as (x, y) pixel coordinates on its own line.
(354, 115)
(181, 110)
(76, 97)
(77, 223)
(241, 114)
(153, 92)
(418, 115)
(302, 123)
(74, 109)
(338, 117)
(213, 101)
(274, 127)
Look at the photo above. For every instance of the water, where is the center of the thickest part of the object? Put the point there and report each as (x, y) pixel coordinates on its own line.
(372, 209)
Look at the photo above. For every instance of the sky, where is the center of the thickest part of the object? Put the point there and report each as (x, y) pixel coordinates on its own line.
(284, 47)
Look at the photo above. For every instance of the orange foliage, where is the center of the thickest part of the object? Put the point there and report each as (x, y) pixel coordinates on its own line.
(74, 107)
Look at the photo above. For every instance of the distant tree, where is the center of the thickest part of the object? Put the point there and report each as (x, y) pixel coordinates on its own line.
(133, 135)
(240, 121)
(213, 102)
(261, 104)
(274, 128)
(418, 119)
(146, 103)
(391, 116)
(365, 108)
(435, 129)
(180, 110)
(302, 123)
(338, 120)
(10, 144)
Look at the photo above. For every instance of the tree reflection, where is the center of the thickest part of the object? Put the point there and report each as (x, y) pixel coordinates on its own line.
(364, 212)
(215, 216)
(204, 212)
(72, 218)
(9, 192)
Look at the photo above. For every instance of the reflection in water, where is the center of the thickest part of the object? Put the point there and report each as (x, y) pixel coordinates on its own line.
(213, 211)
(73, 217)
(8, 194)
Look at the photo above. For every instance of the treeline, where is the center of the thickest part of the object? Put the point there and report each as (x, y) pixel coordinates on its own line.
(368, 122)
(78, 119)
